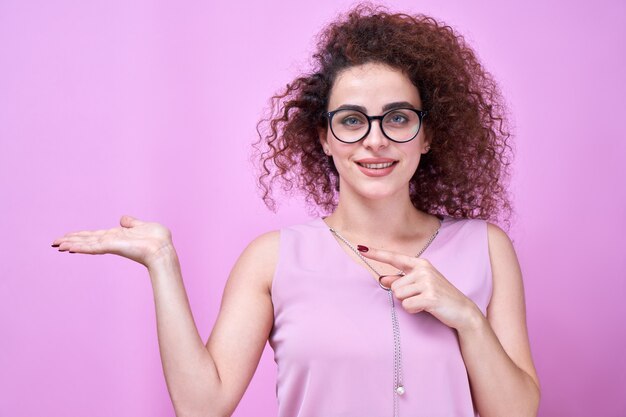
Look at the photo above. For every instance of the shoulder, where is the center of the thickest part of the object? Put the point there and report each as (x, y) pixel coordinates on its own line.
(263, 250)
(265, 243)
(506, 272)
(259, 258)
(497, 236)
(500, 245)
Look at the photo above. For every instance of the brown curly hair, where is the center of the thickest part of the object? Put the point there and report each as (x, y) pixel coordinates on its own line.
(467, 169)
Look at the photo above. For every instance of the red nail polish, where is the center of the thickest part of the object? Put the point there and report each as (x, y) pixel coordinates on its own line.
(55, 246)
(362, 248)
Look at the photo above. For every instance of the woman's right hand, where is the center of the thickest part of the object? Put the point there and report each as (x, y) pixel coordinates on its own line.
(143, 242)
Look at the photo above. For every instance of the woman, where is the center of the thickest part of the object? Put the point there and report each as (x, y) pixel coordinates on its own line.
(404, 300)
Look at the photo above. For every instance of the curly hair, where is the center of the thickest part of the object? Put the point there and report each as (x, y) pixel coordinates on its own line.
(464, 175)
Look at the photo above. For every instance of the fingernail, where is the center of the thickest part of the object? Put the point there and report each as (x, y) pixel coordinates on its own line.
(55, 246)
(71, 252)
(362, 248)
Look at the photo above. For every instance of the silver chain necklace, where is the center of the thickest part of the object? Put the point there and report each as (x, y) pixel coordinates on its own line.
(398, 387)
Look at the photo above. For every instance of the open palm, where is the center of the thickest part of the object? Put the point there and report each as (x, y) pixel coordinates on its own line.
(140, 241)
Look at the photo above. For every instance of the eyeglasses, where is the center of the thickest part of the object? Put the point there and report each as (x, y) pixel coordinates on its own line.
(398, 125)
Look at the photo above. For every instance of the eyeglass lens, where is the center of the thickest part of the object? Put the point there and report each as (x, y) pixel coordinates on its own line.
(351, 125)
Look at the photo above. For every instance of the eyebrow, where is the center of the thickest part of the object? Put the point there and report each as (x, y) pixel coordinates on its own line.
(388, 106)
(397, 104)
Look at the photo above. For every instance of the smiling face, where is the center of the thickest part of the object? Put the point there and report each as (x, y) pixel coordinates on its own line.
(374, 167)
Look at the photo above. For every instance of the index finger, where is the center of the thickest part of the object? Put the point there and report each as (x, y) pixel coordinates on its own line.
(403, 262)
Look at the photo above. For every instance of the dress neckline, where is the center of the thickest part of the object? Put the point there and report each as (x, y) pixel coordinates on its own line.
(343, 252)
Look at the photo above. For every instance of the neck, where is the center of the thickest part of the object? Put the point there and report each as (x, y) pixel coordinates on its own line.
(392, 219)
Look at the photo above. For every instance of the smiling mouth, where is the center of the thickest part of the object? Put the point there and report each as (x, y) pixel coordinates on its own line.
(377, 166)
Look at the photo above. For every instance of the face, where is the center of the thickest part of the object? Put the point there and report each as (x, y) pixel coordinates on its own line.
(375, 167)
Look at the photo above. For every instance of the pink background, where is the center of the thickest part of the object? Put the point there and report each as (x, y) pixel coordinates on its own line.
(114, 107)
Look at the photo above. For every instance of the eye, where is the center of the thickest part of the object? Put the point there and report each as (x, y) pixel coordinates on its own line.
(397, 118)
(352, 120)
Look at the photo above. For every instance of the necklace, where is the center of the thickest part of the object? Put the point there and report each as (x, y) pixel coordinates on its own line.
(398, 387)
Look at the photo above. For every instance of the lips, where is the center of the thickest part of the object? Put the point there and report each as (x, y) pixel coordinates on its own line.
(376, 167)
(376, 163)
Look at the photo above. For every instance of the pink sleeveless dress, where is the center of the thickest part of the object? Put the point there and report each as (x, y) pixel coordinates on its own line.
(332, 334)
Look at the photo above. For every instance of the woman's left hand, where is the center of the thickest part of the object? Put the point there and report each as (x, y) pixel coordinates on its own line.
(424, 288)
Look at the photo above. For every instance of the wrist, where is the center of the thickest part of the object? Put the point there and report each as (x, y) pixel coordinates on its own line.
(475, 321)
(163, 258)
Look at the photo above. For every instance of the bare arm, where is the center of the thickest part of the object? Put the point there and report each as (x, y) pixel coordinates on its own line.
(210, 380)
(496, 348)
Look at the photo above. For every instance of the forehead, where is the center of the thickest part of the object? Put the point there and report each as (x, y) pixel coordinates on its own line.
(372, 86)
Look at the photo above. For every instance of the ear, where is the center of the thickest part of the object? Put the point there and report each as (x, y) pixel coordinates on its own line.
(323, 137)
(426, 143)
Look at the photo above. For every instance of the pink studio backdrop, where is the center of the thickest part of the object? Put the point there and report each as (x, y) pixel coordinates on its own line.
(114, 107)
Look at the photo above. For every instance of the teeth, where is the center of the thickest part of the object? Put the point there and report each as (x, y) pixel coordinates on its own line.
(377, 166)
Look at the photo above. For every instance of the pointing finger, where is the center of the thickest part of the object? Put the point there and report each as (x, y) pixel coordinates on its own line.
(402, 262)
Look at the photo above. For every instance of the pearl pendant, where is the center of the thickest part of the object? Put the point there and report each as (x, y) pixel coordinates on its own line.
(400, 390)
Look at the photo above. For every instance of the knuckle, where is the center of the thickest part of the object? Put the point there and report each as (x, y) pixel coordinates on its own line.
(396, 292)
(409, 306)
(422, 262)
(430, 296)
(424, 274)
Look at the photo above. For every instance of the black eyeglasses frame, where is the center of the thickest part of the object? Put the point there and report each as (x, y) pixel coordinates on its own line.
(420, 114)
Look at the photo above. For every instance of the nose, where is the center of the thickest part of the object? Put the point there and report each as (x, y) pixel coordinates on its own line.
(376, 139)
